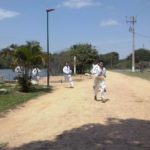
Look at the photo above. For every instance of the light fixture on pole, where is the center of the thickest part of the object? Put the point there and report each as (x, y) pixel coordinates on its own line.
(48, 65)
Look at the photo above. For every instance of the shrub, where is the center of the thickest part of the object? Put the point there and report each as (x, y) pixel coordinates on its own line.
(24, 83)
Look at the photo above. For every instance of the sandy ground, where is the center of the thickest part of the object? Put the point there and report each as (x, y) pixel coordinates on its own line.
(70, 118)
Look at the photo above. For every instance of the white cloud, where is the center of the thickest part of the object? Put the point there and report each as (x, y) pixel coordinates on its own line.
(108, 23)
(79, 3)
(7, 14)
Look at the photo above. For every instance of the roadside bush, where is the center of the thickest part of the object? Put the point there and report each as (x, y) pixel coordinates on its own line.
(24, 83)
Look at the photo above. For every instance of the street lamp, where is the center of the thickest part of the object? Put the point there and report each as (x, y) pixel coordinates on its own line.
(48, 66)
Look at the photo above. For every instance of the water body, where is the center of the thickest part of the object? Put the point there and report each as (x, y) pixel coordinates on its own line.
(8, 74)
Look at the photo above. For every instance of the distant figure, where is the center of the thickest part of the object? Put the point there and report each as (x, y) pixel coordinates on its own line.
(35, 73)
(141, 67)
(18, 71)
(67, 75)
(99, 73)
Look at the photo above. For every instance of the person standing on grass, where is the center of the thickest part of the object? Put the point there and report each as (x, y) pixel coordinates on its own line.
(67, 75)
(19, 71)
(35, 73)
(99, 73)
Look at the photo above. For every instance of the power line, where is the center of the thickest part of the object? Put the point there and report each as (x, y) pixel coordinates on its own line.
(142, 35)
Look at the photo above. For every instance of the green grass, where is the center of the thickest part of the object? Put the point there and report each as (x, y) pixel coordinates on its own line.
(13, 98)
(143, 75)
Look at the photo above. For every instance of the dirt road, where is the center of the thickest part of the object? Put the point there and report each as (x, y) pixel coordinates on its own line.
(70, 119)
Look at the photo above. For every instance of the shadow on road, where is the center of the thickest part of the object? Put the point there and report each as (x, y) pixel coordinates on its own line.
(130, 134)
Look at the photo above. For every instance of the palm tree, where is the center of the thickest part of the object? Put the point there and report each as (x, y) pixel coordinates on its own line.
(28, 56)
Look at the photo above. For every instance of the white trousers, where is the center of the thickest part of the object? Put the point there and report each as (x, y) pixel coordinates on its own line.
(99, 86)
(68, 78)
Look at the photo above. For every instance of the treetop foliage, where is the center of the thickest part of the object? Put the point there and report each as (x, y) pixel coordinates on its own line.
(85, 54)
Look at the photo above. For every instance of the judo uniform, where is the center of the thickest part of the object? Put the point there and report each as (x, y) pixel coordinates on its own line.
(67, 75)
(99, 82)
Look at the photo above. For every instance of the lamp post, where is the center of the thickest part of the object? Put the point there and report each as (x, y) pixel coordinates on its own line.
(48, 66)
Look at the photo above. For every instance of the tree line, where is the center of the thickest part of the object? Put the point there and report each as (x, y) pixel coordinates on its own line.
(31, 55)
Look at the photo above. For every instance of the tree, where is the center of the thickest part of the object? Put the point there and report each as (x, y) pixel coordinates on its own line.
(140, 55)
(110, 59)
(86, 54)
(7, 56)
(58, 61)
(27, 57)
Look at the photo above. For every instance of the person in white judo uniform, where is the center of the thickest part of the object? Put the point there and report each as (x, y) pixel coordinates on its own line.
(18, 70)
(99, 73)
(67, 75)
(35, 75)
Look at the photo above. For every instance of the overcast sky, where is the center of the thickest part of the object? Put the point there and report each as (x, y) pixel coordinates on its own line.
(101, 23)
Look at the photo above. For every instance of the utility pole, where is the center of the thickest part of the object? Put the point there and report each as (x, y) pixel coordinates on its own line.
(74, 58)
(132, 21)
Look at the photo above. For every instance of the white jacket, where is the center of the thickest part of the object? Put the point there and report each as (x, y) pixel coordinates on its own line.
(35, 72)
(67, 70)
(18, 69)
(97, 71)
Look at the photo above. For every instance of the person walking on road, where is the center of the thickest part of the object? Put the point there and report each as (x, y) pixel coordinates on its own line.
(67, 75)
(99, 73)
